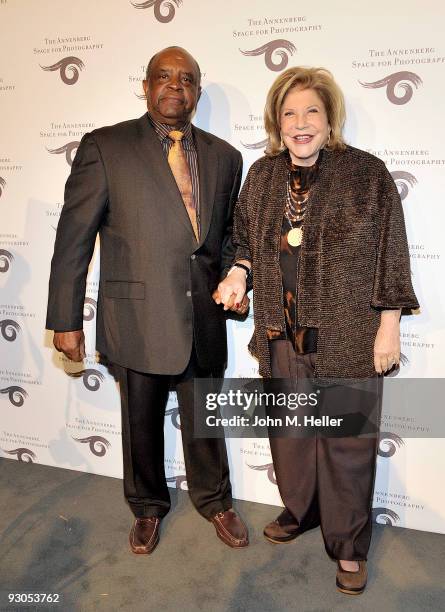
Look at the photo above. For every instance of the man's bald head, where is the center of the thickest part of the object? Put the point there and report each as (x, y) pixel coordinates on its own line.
(173, 48)
(172, 87)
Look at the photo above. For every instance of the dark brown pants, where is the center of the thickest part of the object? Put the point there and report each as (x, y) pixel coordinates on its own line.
(325, 481)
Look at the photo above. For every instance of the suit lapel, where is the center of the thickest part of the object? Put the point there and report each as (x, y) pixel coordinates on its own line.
(208, 173)
(150, 149)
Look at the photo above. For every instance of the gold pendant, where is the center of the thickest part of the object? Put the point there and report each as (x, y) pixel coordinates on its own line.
(295, 236)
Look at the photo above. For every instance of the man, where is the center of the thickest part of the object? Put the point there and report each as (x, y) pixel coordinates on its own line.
(160, 192)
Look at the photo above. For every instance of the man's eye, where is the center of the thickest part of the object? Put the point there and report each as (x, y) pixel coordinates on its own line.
(163, 76)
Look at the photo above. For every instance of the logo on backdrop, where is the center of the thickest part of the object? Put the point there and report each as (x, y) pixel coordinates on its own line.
(255, 145)
(281, 47)
(5, 260)
(98, 445)
(2, 185)
(173, 413)
(15, 394)
(385, 516)
(388, 444)
(69, 67)
(22, 454)
(403, 362)
(69, 149)
(403, 180)
(180, 481)
(89, 309)
(402, 81)
(158, 6)
(267, 467)
(9, 329)
(91, 378)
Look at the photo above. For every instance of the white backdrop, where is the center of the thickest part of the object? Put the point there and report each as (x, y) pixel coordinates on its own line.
(68, 67)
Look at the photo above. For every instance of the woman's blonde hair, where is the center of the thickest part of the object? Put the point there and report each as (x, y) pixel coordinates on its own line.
(321, 81)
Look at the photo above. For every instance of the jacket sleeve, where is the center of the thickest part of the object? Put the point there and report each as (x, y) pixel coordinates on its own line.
(86, 199)
(240, 225)
(228, 249)
(392, 281)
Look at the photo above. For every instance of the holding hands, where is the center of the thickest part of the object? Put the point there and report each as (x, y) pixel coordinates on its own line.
(231, 292)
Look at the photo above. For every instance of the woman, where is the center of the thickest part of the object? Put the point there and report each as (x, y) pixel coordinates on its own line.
(320, 227)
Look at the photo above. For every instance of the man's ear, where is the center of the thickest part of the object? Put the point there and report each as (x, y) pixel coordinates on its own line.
(199, 93)
(145, 86)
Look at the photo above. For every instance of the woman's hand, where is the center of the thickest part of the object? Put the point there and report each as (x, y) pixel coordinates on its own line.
(232, 290)
(387, 341)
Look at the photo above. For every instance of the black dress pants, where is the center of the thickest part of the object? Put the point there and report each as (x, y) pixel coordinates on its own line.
(143, 402)
(326, 481)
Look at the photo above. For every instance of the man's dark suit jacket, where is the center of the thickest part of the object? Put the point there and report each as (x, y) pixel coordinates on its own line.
(156, 281)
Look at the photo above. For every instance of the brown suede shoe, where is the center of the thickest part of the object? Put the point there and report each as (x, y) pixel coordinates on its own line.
(144, 535)
(285, 528)
(230, 529)
(352, 583)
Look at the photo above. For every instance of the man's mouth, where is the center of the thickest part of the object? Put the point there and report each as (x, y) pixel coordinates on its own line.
(173, 99)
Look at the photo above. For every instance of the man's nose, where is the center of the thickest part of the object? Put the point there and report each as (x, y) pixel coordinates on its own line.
(175, 82)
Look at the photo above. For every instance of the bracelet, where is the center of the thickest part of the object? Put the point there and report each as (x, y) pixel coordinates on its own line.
(246, 269)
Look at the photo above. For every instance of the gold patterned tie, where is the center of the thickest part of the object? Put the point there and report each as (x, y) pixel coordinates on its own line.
(181, 171)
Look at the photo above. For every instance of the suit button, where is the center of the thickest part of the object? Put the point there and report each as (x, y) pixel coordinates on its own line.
(192, 257)
(189, 294)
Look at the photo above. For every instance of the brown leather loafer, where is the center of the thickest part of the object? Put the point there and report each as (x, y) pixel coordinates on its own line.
(352, 583)
(230, 529)
(285, 528)
(144, 535)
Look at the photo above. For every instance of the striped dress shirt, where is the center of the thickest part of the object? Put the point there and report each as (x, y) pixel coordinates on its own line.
(188, 144)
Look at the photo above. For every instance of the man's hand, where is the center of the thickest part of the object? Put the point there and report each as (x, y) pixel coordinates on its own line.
(71, 344)
(242, 308)
(387, 342)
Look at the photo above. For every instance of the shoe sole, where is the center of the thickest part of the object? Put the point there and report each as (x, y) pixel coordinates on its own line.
(272, 541)
(349, 591)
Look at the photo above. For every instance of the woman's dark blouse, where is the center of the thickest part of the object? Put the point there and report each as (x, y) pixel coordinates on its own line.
(304, 339)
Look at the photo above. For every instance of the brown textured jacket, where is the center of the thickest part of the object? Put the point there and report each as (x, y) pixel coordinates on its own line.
(354, 257)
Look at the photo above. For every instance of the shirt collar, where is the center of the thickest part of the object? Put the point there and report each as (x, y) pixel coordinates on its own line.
(163, 130)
